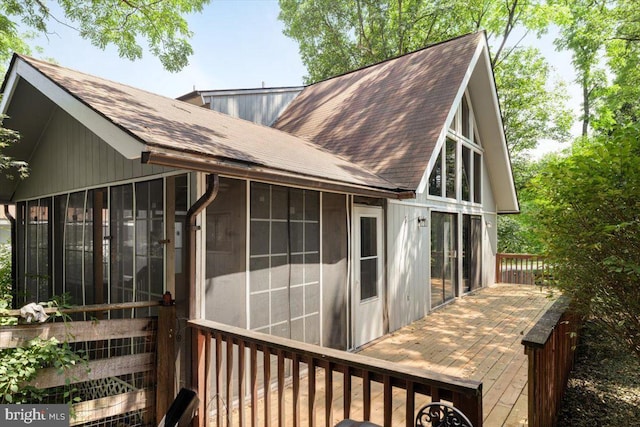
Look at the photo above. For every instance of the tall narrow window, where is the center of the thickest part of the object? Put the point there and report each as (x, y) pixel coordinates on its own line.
(149, 249)
(122, 228)
(368, 258)
(435, 179)
(466, 126)
(466, 170)
(37, 262)
(451, 168)
(87, 250)
(73, 245)
(477, 178)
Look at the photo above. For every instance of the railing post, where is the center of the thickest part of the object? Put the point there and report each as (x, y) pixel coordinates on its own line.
(198, 373)
(548, 346)
(166, 359)
(470, 406)
(498, 268)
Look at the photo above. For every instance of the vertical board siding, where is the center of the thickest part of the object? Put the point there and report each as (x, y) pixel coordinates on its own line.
(408, 259)
(263, 108)
(69, 156)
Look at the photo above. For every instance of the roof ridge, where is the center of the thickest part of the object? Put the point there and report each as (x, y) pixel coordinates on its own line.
(393, 58)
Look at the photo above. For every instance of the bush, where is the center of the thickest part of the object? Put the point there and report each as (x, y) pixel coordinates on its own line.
(18, 366)
(588, 215)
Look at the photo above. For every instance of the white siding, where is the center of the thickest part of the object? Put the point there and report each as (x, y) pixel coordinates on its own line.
(69, 156)
(407, 264)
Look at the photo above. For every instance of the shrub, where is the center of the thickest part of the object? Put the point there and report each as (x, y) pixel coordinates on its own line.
(588, 214)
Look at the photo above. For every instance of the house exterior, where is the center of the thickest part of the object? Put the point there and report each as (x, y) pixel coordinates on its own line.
(258, 105)
(371, 201)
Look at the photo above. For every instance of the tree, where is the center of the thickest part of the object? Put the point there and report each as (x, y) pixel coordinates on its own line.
(532, 107)
(9, 165)
(585, 29)
(103, 22)
(108, 22)
(604, 38)
(587, 214)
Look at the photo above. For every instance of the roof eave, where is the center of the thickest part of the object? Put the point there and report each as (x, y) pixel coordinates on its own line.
(121, 140)
(199, 163)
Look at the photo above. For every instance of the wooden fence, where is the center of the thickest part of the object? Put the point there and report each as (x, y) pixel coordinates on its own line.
(523, 269)
(119, 385)
(244, 361)
(550, 346)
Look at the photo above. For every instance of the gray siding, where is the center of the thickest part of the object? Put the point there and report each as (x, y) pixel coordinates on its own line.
(334, 270)
(69, 156)
(262, 108)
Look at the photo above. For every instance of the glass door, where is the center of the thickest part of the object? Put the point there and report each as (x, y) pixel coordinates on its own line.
(369, 273)
(444, 257)
(471, 252)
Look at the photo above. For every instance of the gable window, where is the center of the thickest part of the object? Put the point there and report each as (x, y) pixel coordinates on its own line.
(477, 177)
(465, 125)
(451, 160)
(466, 179)
(456, 172)
(435, 179)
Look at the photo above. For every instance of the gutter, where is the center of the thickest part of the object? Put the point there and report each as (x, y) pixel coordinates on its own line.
(255, 172)
(14, 253)
(213, 184)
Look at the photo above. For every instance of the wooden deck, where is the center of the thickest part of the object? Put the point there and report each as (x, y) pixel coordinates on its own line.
(477, 337)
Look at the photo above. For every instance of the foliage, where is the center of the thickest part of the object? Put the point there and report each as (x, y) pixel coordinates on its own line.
(516, 233)
(108, 22)
(10, 167)
(530, 110)
(584, 30)
(587, 215)
(20, 365)
(338, 36)
(604, 39)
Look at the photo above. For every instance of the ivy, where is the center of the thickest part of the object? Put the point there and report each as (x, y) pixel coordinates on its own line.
(19, 366)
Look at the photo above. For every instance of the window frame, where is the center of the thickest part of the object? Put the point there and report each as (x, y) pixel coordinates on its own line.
(471, 143)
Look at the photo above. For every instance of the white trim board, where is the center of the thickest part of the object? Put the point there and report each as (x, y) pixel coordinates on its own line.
(122, 142)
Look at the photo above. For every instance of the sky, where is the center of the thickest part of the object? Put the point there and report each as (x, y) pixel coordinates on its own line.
(237, 44)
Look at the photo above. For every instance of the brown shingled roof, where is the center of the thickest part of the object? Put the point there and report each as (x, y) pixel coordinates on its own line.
(386, 117)
(179, 127)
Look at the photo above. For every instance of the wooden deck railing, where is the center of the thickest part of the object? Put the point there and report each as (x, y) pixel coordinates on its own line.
(120, 376)
(257, 351)
(550, 346)
(522, 269)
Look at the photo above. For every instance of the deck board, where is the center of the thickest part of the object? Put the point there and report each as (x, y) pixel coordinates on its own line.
(476, 337)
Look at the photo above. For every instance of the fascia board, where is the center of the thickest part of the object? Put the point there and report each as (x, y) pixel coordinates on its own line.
(504, 160)
(109, 132)
(482, 46)
(10, 87)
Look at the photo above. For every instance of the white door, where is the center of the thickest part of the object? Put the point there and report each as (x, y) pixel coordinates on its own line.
(369, 274)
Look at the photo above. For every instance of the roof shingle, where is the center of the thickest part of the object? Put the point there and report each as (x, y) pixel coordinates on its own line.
(386, 117)
(177, 126)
